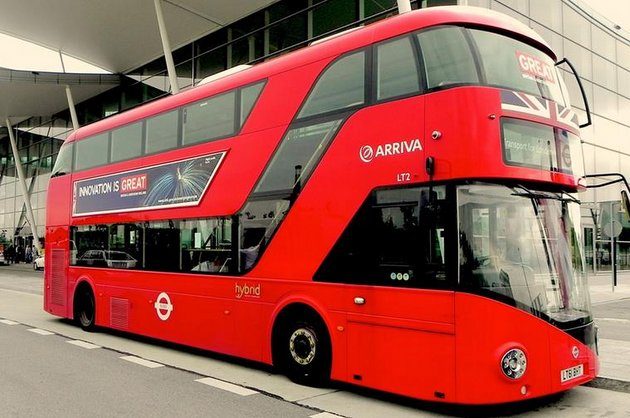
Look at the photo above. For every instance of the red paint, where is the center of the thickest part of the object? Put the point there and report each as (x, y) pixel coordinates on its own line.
(405, 341)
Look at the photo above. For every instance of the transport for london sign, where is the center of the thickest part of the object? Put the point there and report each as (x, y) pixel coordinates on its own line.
(176, 184)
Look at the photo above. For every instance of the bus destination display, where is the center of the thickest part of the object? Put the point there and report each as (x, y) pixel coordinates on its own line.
(533, 145)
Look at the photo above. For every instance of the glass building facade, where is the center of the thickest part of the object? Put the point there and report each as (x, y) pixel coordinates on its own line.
(599, 51)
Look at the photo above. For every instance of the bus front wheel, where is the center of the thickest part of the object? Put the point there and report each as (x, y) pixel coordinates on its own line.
(302, 350)
(85, 308)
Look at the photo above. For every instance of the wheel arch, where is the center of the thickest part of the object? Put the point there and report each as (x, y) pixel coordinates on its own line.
(298, 303)
(81, 282)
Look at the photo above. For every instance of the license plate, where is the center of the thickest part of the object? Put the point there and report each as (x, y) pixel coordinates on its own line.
(571, 373)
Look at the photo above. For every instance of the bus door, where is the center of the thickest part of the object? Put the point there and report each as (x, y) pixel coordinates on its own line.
(400, 309)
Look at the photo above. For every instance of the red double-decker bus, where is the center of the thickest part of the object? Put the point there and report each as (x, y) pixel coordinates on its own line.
(394, 207)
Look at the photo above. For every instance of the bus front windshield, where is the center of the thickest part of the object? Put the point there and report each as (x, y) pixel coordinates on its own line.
(523, 247)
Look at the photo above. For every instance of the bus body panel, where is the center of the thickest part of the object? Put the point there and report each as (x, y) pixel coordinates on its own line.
(394, 341)
(479, 350)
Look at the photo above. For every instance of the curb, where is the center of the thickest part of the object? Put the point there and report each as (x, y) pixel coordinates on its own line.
(609, 384)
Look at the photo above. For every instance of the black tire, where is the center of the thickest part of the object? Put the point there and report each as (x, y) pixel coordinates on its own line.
(85, 308)
(302, 350)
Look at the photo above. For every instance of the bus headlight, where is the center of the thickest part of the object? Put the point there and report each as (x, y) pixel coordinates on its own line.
(514, 363)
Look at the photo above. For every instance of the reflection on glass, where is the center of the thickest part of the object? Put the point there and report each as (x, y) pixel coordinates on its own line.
(297, 156)
(524, 247)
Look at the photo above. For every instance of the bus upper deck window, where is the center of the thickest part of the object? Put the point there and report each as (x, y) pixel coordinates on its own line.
(396, 69)
(448, 58)
(342, 85)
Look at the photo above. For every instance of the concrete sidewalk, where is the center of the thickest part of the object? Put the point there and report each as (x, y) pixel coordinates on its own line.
(601, 289)
(614, 354)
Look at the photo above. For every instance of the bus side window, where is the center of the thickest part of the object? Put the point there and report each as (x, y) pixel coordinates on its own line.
(257, 223)
(396, 69)
(395, 239)
(341, 86)
(447, 57)
(209, 119)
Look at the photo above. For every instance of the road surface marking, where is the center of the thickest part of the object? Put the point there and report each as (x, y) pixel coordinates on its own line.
(625, 321)
(142, 362)
(325, 415)
(219, 384)
(83, 344)
(40, 331)
(8, 322)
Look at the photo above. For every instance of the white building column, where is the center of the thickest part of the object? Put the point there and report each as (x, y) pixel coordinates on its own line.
(22, 181)
(166, 46)
(404, 6)
(73, 110)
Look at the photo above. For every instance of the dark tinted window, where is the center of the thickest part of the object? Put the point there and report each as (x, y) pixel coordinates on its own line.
(91, 152)
(397, 238)
(396, 69)
(249, 95)
(258, 221)
(63, 164)
(342, 85)
(162, 132)
(297, 156)
(206, 245)
(196, 245)
(127, 142)
(162, 245)
(109, 246)
(448, 58)
(209, 119)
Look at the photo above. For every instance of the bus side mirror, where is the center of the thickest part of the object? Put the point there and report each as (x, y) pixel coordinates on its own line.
(579, 82)
(625, 203)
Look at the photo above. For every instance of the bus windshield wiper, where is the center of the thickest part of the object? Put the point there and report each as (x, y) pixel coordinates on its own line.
(563, 197)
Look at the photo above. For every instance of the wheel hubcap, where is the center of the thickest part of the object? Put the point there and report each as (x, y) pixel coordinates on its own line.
(303, 345)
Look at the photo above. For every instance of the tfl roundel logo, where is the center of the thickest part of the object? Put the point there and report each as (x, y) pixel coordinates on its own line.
(366, 153)
(163, 306)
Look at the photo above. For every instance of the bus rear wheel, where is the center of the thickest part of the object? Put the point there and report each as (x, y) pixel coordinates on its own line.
(302, 350)
(85, 308)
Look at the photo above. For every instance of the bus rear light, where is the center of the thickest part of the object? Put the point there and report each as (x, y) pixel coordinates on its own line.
(514, 363)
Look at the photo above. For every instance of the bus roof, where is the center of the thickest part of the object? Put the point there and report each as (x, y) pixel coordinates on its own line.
(376, 32)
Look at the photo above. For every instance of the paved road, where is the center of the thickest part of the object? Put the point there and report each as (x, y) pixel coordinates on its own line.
(48, 375)
(70, 380)
(613, 319)
(21, 277)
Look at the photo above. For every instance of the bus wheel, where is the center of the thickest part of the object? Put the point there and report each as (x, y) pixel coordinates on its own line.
(303, 350)
(85, 308)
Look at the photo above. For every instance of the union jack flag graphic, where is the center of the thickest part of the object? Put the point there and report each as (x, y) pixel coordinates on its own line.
(527, 104)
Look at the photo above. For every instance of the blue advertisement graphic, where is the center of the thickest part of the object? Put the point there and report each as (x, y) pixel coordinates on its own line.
(176, 184)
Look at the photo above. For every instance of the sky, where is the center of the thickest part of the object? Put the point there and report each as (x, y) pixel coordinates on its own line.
(21, 55)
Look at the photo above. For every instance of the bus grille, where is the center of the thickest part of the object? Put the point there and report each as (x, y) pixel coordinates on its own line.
(58, 279)
(119, 313)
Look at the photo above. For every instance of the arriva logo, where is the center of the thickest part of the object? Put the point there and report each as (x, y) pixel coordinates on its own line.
(367, 153)
(247, 290)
